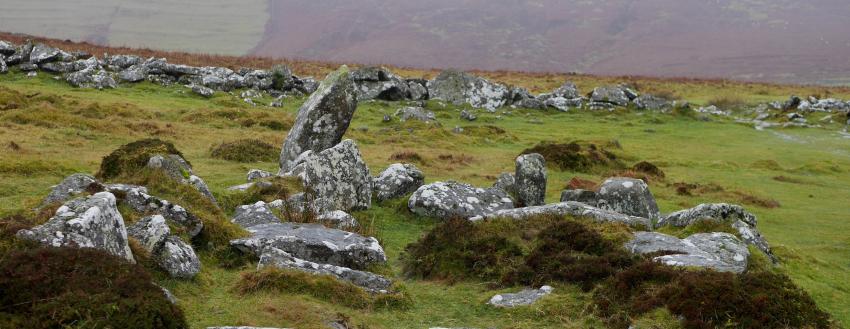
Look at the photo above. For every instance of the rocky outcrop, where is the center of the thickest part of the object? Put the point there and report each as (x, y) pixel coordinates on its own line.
(530, 179)
(170, 252)
(463, 88)
(583, 196)
(614, 95)
(569, 208)
(254, 214)
(396, 181)
(338, 175)
(721, 252)
(735, 215)
(257, 174)
(138, 199)
(628, 196)
(70, 186)
(322, 120)
(274, 257)
(652, 103)
(315, 243)
(379, 83)
(90, 222)
(447, 200)
(522, 298)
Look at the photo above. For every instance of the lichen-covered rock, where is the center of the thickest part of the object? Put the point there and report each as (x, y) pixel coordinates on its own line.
(447, 200)
(322, 120)
(3, 67)
(338, 175)
(7, 48)
(70, 186)
(254, 214)
(506, 182)
(337, 219)
(522, 298)
(589, 198)
(530, 179)
(652, 103)
(91, 222)
(740, 219)
(275, 257)
(257, 174)
(315, 243)
(179, 169)
(379, 83)
(178, 258)
(628, 196)
(468, 115)
(396, 181)
(150, 231)
(721, 252)
(415, 113)
(139, 200)
(42, 53)
(463, 88)
(569, 208)
(614, 95)
(202, 91)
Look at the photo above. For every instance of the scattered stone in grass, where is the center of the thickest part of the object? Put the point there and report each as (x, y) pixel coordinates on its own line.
(245, 150)
(522, 298)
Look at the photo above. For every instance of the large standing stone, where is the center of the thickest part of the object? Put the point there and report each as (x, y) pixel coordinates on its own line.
(70, 186)
(322, 120)
(652, 103)
(740, 219)
(275, 257)
(338, 175)
(721, 252)
(569, 208)
(463, 88)
(628, 196)
(397, 180)
(522, 298)
(447, 200)
(315, 243)
(91, 222)
(531, 179)
(584, 196)
(6, 48)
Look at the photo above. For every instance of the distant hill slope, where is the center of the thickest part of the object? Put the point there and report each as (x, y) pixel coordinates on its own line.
(777, 40)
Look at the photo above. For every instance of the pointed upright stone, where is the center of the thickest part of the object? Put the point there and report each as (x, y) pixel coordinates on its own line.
(531, 179)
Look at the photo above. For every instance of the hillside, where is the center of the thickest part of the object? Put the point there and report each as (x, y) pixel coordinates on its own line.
(792, 175)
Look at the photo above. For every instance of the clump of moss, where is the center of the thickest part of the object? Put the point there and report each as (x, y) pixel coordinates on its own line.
(130, 158)
(245, 150)
(57, 287)
(708, 299)
(323, 287)
(575, 156)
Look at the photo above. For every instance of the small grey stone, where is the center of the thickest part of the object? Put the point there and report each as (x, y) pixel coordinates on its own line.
(257, 174)
(584, 196)
(396, 181)
(522, 298)
(415, 113)
(71, 185)
(178, 258)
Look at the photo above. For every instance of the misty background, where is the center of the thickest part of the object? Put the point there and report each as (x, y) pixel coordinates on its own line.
(793, 41)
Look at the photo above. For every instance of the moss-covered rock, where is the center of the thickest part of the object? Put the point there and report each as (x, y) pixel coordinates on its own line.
(130, 158)
(245, 150)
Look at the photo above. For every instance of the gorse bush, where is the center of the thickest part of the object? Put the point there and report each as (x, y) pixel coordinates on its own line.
(245, 150)
(80, 288)
(130, 158)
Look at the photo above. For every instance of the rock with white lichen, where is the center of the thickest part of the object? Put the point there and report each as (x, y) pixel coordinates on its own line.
(396, 181)
(446, 200)
(721, 252)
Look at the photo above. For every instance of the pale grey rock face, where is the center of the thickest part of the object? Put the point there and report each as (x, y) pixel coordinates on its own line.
(140, 201)
(740, 219)
(91, 222)
(447, 200)
(274, 257)
(202, 91)
(7, 48)
(379, 83)
(418, 89)
(150, 231)
(42, 53)
(652, 103)
(569, 208)
(520, 97)
(610, 94)
(135, 73)
(91, 77)
(562, 104)
(531, 179)
(315, 243)
(721, 252)
(396, 181)
(415, 113)
(121, 62)
(506, 182)
(322, 120)
(584, 196)
(70, 186)
(178, 258)
(178, 169)
(254, 214)
(522, 298)
(628, 196)
(339, 176)
(337, 219)
(463, 88)
(257, 174)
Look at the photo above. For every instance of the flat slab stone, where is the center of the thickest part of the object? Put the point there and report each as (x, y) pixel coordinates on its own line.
(315, 243)
(721, 252)
(522, 298)
(280, 259)
(570, 208)
(254, 214)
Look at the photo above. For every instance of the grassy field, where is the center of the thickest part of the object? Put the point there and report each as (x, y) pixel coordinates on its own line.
(55, 130)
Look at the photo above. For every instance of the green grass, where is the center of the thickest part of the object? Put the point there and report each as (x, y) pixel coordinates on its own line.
(64, 130)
